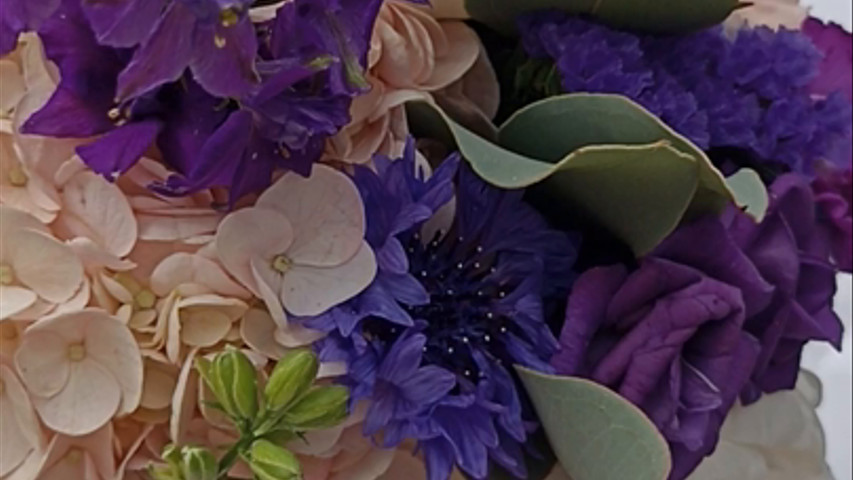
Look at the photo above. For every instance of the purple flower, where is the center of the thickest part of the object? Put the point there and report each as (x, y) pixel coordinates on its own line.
(83, 103)
(747, 99)
(834, 196)
(213, 38)
(787, 250)
(453, 310)
(17, 16)
(669, 336)
(836, 69)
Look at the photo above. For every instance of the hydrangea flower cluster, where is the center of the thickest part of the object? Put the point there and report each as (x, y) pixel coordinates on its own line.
(752, 99)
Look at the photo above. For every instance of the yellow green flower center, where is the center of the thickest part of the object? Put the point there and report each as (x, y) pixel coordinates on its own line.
(281, 263)
(76, 352)
(17, 176)
(229, 17)
(7, 275)
(74, 456)
(145, 299)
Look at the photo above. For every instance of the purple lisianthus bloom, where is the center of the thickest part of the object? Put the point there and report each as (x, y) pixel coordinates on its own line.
(215, 39)
(788, 251)
(836, 69)
(669, 336)
(18, 16)
(834, 196)
(430, 343)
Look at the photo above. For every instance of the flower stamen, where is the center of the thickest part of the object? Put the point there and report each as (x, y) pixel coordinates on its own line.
(17, 176)
(7, 275)
(76, 352)
(281, 264)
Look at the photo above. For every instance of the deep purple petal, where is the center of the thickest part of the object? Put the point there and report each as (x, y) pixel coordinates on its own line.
(17, 16)
(427, 385)
(836, 70)
(123, 23)
(223, 58)
(118, 150)
(163, 57)
(67, 115)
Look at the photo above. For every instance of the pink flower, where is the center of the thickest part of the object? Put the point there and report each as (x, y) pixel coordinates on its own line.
(772, 13)
(86, 457)
(21, 436)
(301, 247)
(82, 369)
(836, 70)
(37, 272)
(23, 188)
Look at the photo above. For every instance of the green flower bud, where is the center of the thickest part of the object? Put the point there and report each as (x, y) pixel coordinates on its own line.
(198, 464)
(238, 378)
(321, 407)
(207, 371)
(271, 462)
(171, 455)
(291, 378)
(163, 472)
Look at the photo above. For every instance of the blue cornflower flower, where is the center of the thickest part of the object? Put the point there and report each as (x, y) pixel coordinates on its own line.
(431, 342)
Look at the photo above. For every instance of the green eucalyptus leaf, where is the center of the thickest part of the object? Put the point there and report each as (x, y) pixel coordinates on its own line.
(603, 154)
(749, 192)
(660, 16)
(596, 434)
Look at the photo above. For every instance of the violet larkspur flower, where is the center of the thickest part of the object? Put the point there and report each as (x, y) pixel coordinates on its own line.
(834, 196)
(215, 39)
(430, 343)
(17, 16)
(746, 100)
(669, 336)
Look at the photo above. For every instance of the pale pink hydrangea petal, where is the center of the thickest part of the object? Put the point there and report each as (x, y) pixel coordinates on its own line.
(22, 188)
(45, 265)
(295, 335)
(461, 49)
(248, 233)
(77, 302)
(317, 441)
(102, 208)
(257, 329)
(269, 284)
(184, 400)
(21, 433)
(158, 385)
(86, 403)
(94, 257)
(12, 220)
(14, 86)
(42, 362)
(74, 457)
(14, 300)
(326, 214)
(771, 13)
(111, 344)
(163, 228)
(204, 328)
(186, 268)
(307, 291)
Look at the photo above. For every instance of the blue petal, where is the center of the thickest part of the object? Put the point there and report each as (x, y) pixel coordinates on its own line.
(117, 151)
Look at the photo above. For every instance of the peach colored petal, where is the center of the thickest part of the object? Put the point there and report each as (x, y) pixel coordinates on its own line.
(771, 13)
(131, 452)
(307, 291)
(74, 450)
(316, 442)
(158, 385)
(76, 302)
(46, 266)
(14, 300)
(204, 328)
(86, 403)
(14, 87)
(461, 53)
(42, 362)
(184, 400)
(449, 9)
(12, 220)
(164, 228)
(269, 284)
(110, 343)
(326, 214)
(21, 433)
(257, 329)
(116, 289)
(102, 207)
(248, 233)
(295, 335)
(187, 268)
(95, 257)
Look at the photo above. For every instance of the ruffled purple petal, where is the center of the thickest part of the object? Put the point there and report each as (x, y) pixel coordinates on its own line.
(223, 58)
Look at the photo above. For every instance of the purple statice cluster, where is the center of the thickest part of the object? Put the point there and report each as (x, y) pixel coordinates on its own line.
(225, 100)
(461, 295)
(752, 98)
(691, 330)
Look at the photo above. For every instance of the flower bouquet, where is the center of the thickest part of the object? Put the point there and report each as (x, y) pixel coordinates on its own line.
(402, 239)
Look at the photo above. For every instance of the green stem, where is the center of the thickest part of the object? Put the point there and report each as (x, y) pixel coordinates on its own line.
(231, 456)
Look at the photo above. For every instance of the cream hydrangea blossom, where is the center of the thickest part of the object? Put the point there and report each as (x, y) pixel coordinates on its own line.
(85, 457)
(81, 370)
(37, 271)
(21, 435)
(771, 13)
(413, 54)
(301, 247)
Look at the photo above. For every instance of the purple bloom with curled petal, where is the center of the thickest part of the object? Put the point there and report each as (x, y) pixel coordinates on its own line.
(452, 309)
(788, 251)
(836, 69)
(834, 197)
(213, 38)
(669, 336)
(18, 16)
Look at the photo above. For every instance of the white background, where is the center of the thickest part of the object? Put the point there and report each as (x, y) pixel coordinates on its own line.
(836, 369)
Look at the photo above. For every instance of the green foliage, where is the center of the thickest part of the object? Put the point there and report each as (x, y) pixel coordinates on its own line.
(596, 434)
(659, 16)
